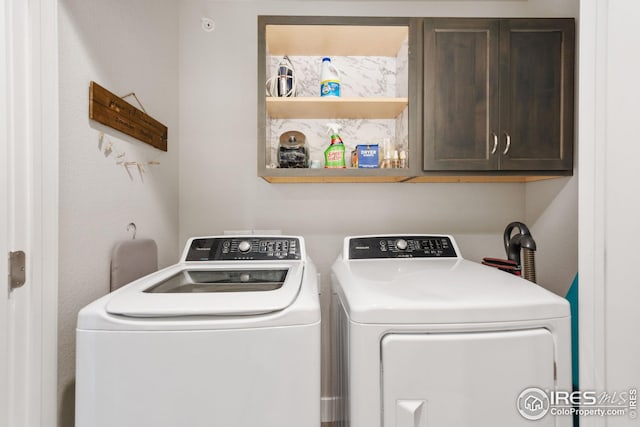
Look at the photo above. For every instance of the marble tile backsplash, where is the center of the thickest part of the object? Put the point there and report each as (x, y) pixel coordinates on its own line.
(402, 70)
(353, 132)
(362, 77)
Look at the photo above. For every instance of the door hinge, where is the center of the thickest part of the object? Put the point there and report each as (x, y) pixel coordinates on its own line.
(17, 269)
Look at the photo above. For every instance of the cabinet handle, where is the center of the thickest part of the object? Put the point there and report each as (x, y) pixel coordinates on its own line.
(506, 149)
(495, 143)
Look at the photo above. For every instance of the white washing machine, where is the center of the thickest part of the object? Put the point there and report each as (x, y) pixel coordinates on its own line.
(427, 338)
(229, 336)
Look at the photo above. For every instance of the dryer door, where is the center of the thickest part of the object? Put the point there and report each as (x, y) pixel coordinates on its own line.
(465, 379)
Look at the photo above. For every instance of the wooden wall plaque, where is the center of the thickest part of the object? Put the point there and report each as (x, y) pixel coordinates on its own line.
(111, 110)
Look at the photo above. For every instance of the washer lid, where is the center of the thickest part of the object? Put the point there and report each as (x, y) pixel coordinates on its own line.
(439, 290)
(206, 290)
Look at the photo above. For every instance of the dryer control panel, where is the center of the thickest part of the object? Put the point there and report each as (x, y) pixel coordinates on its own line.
(375, 247)
(247, 248)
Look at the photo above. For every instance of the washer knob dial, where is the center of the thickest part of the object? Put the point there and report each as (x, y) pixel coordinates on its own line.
(401, 244)
(244, 246)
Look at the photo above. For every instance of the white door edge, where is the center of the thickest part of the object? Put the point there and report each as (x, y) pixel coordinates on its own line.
(591, 198)
(29, 212)
(4, 244)
(48, 217)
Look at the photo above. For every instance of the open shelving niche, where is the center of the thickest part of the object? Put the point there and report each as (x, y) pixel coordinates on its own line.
(374, 63)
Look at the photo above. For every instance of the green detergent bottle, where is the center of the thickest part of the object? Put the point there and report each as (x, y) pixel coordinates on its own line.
(334, 154)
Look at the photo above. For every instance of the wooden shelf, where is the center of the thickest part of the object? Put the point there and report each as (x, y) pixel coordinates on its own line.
(480, 179)
(346, 175)
(317, 36)
(332, 108)
(332, 179)
(335, 40)
(375, 176)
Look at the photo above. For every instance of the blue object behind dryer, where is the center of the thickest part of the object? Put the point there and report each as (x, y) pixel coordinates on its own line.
(572, 297)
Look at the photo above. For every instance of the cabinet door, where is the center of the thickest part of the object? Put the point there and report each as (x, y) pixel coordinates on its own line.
(536, 94)
(460, 94)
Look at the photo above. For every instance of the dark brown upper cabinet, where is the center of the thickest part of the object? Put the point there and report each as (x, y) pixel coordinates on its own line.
(498, 95)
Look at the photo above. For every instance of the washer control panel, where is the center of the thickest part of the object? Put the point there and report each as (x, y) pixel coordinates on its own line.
(247, 248)
(370, 247)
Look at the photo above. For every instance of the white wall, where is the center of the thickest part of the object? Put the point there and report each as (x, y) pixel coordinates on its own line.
(552, 216)
(220, 190)
(125, 46)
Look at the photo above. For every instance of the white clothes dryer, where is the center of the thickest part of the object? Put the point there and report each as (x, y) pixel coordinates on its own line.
(427, 338)
(229, 336)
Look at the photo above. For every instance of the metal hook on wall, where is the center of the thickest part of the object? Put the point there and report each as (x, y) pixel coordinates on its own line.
(132, 225)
